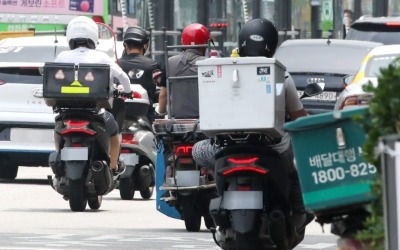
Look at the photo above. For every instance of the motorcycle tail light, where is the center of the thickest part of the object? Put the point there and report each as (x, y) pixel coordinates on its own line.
(248, 160)
(243, 168)
(129, 138)
(184, 151)
(77, 126)
(244, 164)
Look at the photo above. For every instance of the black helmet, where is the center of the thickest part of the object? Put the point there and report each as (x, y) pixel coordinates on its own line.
(136, 35)
(258, 37)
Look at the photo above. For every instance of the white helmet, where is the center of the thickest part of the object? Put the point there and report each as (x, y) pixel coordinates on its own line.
(82, 29)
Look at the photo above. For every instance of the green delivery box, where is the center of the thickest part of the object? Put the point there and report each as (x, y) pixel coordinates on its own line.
(328, 152)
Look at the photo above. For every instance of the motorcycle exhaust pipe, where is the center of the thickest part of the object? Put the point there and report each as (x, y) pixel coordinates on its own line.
(102, 177)
(277, 229)
(145, 174)
(98, 166)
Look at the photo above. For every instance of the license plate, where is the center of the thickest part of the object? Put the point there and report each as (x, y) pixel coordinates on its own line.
(242, 200)
(74, 154)
(324, 96)
(129, 159)
(188, 178)
(31, 135)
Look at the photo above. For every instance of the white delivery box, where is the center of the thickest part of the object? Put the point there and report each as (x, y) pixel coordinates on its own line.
(241, 94)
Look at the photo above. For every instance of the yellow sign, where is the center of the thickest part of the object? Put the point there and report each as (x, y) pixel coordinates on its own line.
(75, 88)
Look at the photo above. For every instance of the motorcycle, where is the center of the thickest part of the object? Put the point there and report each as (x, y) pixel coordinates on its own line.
(184, 189)
(81, 163)
(253, 209)
(138, 148)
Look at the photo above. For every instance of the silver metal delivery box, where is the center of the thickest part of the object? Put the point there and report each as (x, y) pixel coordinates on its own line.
(241, 94)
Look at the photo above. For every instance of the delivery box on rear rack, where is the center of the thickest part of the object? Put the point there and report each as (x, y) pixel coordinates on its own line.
(176, 129)
(334, 176)
(241, 94)
(77, 84)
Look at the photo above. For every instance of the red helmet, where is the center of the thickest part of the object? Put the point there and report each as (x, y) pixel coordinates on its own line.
(195, 34)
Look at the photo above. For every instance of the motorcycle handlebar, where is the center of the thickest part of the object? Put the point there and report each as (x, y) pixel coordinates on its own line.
(118, 93)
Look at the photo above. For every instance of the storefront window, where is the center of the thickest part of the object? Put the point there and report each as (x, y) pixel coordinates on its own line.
(268, 10)
(301, 17)
(185, 12)
(394, 8)
(367, 7)
(235, 12)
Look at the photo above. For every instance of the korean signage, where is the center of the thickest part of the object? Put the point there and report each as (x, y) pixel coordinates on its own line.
(66, 7)
(326, 15)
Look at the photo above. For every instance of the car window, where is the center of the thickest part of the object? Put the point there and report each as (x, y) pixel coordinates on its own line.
(31, 75)
(385, 33)
(321, 59)
(30, 53)
(375, 64)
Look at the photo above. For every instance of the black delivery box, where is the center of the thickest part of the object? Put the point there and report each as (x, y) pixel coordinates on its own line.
(73, 84)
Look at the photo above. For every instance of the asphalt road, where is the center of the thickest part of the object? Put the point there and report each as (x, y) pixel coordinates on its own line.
(35, 217)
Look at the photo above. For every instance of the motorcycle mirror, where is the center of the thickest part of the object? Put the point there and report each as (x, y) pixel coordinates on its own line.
(107, 40)
(313, 89)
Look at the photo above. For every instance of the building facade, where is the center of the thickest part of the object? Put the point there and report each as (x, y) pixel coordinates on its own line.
(293, 18)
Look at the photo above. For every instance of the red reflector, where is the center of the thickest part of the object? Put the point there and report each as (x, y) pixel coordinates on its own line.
(75, 145)
(136, 95)
(2, 82)
(98, 19)
(243, 188)
(184, 151)
(185, 160)
(243, 160)
(129, 138)
(245, 168)
(125, 151)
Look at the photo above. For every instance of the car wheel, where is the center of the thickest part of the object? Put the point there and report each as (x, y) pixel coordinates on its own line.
(8, 171)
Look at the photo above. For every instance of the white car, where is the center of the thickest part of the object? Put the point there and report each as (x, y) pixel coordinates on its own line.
(26, 122)
(353, 95)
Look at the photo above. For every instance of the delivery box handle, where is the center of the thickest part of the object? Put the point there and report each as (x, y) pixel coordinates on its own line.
(76, 70)
(235, 79)
(279, 89)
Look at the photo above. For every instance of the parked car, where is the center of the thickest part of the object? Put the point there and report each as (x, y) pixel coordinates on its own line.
(26, 122)
(353, 95)
(385, 30)
(322, 60)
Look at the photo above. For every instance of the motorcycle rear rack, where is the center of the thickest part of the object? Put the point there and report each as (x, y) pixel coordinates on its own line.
(181, 188)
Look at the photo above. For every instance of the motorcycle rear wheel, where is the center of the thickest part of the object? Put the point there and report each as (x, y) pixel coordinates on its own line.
(77, 195)
(126, 190)
(95, 201)
(247, 241)
(191, 214)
